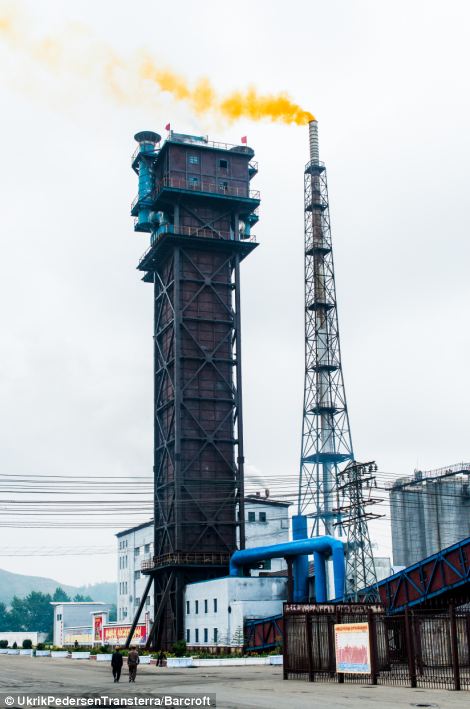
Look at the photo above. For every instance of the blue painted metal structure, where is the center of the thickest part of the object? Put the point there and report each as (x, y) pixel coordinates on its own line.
(300, 568)
(321, 547)
(262, 634)
(436, 580)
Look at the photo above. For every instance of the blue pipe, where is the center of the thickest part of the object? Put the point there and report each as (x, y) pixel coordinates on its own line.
(300, 566)
(321, 547)
(147, 140)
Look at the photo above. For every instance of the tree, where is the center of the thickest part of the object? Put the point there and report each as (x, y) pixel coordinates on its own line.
(4, 617)
(16, 615)
(82, 599)
(60, 595)
(32, 613)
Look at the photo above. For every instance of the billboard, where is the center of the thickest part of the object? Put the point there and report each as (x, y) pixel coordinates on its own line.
(117, 634)
(98, 628)
(81, 638)
(352, 648)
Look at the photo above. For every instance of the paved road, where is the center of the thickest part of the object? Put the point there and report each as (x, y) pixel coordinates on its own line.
(235, 687)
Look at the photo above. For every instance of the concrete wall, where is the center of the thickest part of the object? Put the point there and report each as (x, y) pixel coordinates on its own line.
(21, 635)
(224, 603)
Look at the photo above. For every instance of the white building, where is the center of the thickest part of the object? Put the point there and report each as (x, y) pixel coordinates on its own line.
(266, 522)
(135, 545)
(72, 620)
(215, 610)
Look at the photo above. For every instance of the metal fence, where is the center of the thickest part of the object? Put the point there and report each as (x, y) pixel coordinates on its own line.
(415, 649)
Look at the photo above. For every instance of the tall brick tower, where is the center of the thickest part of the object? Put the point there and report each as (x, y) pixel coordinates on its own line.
(195, 201)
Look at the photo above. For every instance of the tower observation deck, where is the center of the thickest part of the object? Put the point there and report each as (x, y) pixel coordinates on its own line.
(196, 203)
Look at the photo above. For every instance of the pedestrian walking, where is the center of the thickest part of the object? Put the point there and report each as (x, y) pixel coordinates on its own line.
(116, 664)
(160, 659)
(132, 662)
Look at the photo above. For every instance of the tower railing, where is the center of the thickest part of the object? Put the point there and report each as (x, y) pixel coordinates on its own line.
(193, 232)
(184, 183)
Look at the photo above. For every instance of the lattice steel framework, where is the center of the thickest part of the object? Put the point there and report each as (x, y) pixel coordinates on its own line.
(198, 424)
(326, 436)
(355, 484)
(195, 200)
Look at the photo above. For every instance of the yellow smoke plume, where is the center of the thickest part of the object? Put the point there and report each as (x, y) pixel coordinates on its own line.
(79, 53)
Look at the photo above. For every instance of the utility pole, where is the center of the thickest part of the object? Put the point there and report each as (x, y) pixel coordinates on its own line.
(354, 481)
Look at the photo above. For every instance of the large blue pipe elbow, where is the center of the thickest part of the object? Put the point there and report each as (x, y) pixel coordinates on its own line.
(300, 566)
(320, 546)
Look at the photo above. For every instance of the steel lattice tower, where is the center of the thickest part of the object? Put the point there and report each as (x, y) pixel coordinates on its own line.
(326, 436)
(195, 201)
(354, 481)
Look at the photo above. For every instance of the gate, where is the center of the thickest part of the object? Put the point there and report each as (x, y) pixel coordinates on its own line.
(415, 648)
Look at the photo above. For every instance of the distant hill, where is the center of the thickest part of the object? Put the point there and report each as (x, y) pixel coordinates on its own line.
(21, 585)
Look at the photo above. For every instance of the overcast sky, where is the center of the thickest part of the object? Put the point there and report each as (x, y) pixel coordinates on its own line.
(388, 82)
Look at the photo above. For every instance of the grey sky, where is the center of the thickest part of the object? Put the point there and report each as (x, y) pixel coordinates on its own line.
(389, 85)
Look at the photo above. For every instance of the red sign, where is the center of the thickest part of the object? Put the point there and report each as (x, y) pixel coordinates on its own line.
(117, 634)
(98, 628)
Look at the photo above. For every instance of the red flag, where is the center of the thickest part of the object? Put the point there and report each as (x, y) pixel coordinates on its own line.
(167, 127)
(244, 139)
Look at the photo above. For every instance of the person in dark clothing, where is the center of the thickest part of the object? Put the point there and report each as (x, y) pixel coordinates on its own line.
(116, 664)
(160, 659)
(132, 662)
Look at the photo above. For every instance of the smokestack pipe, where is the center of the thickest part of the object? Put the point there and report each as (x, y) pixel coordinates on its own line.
(313, 139)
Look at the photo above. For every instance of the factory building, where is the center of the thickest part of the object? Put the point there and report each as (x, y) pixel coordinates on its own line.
(73, 621)
(266, 522)
(135, 546)
(216, 610)
(429, 511)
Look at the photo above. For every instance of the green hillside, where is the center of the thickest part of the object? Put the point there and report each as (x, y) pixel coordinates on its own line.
(21, 585)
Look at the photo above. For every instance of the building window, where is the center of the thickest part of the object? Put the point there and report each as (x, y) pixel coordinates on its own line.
(215, 605)
(223, 185)
(137, 575)
(188, 635)
(59, 616)
(137, 551)
(265, 565)
(187, 607)
(206, 606)
(262, 516)
(137, 601)
(251, 516)
(193, 159)
(285, 523)
(206, 635)
(193, 181)
(197, 634)
(147, 601)
(196, 607)
(223, 164)
(216, 634)
(147, 548)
